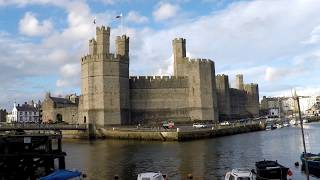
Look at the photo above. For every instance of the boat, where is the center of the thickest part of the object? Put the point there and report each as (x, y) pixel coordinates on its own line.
(293, 122)
(286, 124)
(240, 173)
(279, 126)
(62, 174)
(151, 176)
(270, 126)
(305, 121)
(313, 163)
(271, 170)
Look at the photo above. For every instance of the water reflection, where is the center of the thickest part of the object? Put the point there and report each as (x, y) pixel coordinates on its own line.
(205, 159)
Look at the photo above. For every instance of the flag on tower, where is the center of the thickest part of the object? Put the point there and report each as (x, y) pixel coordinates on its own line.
(119, 16)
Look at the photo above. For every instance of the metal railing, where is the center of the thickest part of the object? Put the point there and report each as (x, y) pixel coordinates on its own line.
(25, 126)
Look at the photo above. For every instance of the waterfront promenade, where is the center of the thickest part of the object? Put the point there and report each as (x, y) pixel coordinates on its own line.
(180, 132)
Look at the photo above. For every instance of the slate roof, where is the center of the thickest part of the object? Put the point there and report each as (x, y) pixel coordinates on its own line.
(26, 107)
(59, 100)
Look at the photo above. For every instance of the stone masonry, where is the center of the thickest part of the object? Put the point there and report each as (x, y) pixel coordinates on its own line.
(111, 97)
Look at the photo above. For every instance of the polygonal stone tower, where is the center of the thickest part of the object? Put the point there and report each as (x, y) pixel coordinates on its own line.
(105, 81)
(239, 81)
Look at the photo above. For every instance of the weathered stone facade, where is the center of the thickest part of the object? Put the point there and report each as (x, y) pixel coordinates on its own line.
(111, 97)
(58, 109)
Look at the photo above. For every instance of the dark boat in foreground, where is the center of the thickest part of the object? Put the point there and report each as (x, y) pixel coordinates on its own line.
(313, 161)
(271, 170)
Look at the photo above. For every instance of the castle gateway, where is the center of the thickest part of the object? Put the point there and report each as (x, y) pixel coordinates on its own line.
(111, 97)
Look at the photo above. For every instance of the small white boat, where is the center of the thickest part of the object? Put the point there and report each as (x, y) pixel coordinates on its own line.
(279, 126)
(286, 124)
(151, 176)
(240, 173)
(293, 122)
(305, 121)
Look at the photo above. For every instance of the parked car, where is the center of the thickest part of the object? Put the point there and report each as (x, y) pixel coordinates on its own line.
(225, 123)
(168, 125)
(199, 125)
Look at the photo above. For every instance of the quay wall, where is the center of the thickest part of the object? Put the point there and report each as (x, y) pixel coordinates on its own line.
(75, 134)
(181, 135)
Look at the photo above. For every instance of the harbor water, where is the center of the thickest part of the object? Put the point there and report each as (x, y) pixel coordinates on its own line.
(204, 159)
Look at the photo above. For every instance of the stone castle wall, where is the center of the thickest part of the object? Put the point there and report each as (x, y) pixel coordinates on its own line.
(157, 99)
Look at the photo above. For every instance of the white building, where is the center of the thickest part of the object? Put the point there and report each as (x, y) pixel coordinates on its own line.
(25, 113)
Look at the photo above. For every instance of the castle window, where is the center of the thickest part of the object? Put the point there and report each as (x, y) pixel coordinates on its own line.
(193, 91)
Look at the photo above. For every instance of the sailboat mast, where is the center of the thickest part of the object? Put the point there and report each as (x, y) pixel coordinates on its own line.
(303, 140)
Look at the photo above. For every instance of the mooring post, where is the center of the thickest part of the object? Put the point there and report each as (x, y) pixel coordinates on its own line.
(62, 163)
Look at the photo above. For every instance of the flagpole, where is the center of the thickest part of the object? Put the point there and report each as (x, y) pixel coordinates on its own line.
(121, 19)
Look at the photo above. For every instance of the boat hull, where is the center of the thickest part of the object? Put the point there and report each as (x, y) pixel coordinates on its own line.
(313, 161)
(271, 170)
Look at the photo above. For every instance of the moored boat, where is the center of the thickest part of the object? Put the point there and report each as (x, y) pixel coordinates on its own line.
(313, 163)
(293, 122)
(240, 174)
(64, 174)
(270, 126)
(286, 124)
(271, 170)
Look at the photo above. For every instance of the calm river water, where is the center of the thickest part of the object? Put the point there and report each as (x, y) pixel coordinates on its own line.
(205, 159)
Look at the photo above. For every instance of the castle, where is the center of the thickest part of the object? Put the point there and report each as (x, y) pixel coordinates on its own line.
(111, 97)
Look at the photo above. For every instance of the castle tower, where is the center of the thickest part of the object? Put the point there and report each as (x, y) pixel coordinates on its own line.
(179, 54)
(105, 82)
(223, 96)
(252, 102)
(122, 46)
(103, 40)
(239, 81)
(93, 47)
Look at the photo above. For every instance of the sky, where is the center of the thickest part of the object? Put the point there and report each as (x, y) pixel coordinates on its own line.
(274, 43)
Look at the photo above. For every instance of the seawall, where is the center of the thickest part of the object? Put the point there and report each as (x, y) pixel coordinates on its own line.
(177, 135)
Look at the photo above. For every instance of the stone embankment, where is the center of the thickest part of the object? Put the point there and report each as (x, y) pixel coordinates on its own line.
(178, 134)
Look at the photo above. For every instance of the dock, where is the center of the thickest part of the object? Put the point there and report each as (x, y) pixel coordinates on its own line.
(29, 156)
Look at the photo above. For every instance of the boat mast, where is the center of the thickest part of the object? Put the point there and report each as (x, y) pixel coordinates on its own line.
(302, 132)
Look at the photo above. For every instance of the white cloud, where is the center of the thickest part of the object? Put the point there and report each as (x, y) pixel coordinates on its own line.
(135, 17)
(278, 74)
(165, 11)
(30, 25)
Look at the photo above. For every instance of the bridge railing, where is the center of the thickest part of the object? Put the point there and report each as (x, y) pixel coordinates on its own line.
(29, 126)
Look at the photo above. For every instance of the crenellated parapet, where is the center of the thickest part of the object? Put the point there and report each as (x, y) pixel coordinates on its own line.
(251, 88)
(199, 60)
(153, 82)
(106, 57)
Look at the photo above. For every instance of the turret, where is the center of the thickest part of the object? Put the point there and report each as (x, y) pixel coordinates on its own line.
(122, 46)
(103, 40)
(92, 47)
(239, 81)
(179, 48)
(179, 53)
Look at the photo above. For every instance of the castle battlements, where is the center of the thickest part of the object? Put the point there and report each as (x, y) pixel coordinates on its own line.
(123, 37)
(148, 82)
(221, 75)
(109, 57)
(181, 40)
(199, 60)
